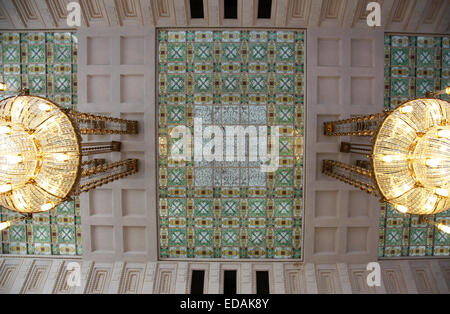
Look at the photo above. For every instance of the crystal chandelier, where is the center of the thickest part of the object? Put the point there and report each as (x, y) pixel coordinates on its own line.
(43, 159)
(407, 163)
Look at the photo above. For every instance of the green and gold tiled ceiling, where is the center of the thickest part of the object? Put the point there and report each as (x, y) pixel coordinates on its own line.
(46, 63)
(413, 66)
(224, 209)
(231, 209)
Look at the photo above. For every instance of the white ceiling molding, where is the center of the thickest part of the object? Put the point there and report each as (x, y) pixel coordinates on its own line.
(412, 16)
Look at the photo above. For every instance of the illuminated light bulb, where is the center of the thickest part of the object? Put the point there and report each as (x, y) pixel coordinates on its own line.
(431, 202)
(2, 86)
(48, 122)
(5, 225)
(14, 159)
(406, 109)
(441, 192)
(45, 107)
(5, 188)
(401, 208)
(443, 228)
(47, 206)
(443, 133)
(432, 162)
(4, 129)
(391, 158)
(61, 157)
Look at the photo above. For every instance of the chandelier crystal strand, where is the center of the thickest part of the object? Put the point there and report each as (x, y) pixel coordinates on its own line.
(411, 162)
(41, 153)
(355, 126)
(30, 153)
(6, 224)
(353, 175)
(127, 167)
(410, 155)
(101, 125)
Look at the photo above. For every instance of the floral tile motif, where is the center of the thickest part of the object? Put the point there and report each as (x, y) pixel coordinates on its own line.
(413, 66)
(230, 209)
(46, 63)
(402, 235)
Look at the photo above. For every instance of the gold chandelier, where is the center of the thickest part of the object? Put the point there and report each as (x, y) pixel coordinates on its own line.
(407, 163)
(43, 160)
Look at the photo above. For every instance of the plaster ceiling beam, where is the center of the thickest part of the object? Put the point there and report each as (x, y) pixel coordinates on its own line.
(315, 13)
(30, 12)
(112, 13)
(282, 10)
(147, 13)
(16, 19)
(386, 13)
(213, 12)
(182, 13)
(442, 24)
(95, 12)
(48, 19)
(5, 20)
(140, 11)
(129, 12)
(247, 13)
(351, 14)
(342, 11)
(84, 13)
(417, 15)
(163, 13)
(119, 11)
(298, 13)
(433, 16)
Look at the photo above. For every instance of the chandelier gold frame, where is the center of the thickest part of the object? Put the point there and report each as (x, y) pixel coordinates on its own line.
(408, 159)
(45, 143)
(400, 171)
(42, 150)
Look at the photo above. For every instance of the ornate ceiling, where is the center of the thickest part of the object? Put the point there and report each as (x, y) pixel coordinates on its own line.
(414, 16)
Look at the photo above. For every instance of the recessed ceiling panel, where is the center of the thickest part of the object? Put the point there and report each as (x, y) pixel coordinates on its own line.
(224, 206)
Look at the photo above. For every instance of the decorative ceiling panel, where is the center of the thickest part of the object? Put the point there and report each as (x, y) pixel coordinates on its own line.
(413, 66)
(229, 79)
(46, 63)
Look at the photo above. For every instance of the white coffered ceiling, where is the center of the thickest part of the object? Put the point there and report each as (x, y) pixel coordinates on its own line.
(413, 16)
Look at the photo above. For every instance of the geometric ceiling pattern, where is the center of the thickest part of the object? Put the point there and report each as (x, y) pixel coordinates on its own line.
(231, 208)
(46, 63)
(413, 66)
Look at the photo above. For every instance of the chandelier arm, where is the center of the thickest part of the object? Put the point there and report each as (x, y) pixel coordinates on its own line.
(101, 125)
(359, 126)
(93, 162)
(440, 226)
(92, 148)
(8, 223)
(328, 169)
(105, 167)
(131, 168)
